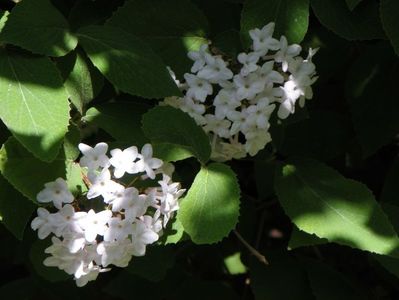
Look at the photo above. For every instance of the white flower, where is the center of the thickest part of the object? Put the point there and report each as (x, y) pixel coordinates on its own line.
(124, 161)
(148, 163)
(268, 75)
(215, 70)
(260, 113)
(199, 88)
(171, 192)
(101, 184)
(94, 158)
(249, 62)
(218, 126)
(43, 223)
(141, 237)
(56, 192)
(248, 87)
(95, 224)
(256, 140)
(225, 102)
(194, 109)
(263, 40)
(66, 220)
(117, 253)
(118, 229)
(199, 57)
(286, 53)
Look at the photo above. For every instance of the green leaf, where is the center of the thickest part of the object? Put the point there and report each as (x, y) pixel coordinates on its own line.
(165, 124)
(127, 61)
(122, 120)
(154, 265)
(320, 201)
(361, 24)
(389, 18)
(25, 172)
(372, 77)
(173, 232)
(329, 284)
(37, 256)
(36, 25)
(33, 103)
(291, 18)
(15, 210)
(3, 19)
(284, 278)
(171, 28)
(212, 205)
(352, 3)
(82, 80)
(234, 264)
(390, 263)
(300, 238)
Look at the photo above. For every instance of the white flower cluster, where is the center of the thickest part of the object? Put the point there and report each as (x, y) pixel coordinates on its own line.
(233, 108)
(86, 242)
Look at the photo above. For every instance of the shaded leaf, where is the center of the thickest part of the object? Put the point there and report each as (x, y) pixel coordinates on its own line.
(291, 18)
(361, 24)
(165, 124)
(45, 31)
(170, 27)
(122, 120)
(15, 209)
(82, 80)
(127, 61)
(389, 17)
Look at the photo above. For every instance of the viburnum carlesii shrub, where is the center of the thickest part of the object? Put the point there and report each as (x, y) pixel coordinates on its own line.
(233, 100)
(129, 201)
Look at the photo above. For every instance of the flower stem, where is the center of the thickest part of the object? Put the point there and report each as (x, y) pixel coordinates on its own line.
(251, 249)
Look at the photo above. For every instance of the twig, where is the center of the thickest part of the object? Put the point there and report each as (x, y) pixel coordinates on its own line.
(251, 249)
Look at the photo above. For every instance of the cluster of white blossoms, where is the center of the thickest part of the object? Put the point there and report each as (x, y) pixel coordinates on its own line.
(234, 109)
(86, 242)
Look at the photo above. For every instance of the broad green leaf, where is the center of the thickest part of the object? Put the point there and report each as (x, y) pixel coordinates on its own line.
(389, 18)
(122, 120)
(371, 77)
(33, 103)
(27, 173)
(300, 238)
(71, 142)
(36, 25)
(82, 80)
(291, 18)
(361, 24)
(37, 256)
(320, 201)
(170, 27)
(154, 265)
(284, 278)
(329, 284)
(390, 263)
(212, 205)
(352, 3)
(165, 124)
(15, 209)
(127, 61)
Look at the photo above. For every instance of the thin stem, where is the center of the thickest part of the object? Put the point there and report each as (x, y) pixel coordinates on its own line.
(251, 249)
